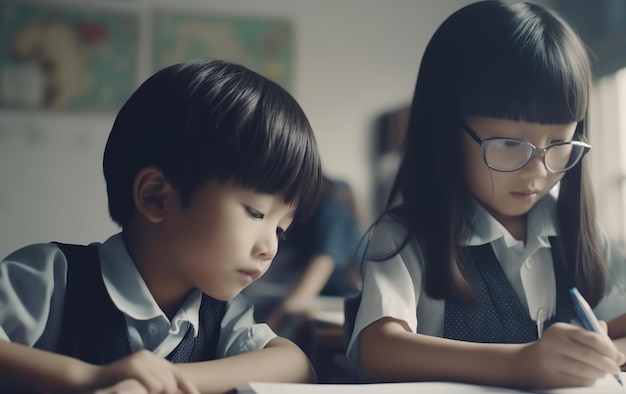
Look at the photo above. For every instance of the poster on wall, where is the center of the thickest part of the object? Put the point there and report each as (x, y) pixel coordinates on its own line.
(263, 45)
(74, 59)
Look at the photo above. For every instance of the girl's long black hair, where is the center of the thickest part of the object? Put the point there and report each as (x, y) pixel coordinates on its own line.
(520, 62)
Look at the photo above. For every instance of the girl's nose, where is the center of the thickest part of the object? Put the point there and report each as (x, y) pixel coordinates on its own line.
(535, 168)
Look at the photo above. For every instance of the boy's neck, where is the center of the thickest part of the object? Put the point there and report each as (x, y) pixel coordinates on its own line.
(168, 293)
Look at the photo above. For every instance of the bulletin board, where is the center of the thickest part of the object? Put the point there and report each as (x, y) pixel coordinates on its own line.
(85, 55)
(62, 58)
(263, 45)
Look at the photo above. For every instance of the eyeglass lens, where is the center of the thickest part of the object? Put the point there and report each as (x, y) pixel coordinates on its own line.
(507, 154)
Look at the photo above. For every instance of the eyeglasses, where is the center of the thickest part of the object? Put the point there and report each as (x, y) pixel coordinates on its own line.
(511, 154)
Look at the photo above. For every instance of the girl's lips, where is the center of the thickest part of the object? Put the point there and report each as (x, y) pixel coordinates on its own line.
(525, 196)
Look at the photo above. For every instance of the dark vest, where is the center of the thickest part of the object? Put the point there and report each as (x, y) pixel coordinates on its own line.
(94, 330)
(498, 316)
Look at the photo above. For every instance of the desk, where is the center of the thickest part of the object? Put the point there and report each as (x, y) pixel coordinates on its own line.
(319, 332)
(327, 351)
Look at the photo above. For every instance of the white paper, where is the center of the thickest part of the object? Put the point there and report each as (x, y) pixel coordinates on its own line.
(607, 385)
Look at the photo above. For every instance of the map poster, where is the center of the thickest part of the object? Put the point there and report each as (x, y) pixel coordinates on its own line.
(263, 45)
(60, 58)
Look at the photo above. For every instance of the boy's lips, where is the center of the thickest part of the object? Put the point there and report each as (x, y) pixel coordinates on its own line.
(253, 273)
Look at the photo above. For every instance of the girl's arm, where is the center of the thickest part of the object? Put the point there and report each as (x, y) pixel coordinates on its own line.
(565, 356)
(280, 361)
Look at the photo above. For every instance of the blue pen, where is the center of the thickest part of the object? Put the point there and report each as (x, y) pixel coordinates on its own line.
(587, 317)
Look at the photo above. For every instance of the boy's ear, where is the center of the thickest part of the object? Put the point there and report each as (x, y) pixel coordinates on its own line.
(152, 194)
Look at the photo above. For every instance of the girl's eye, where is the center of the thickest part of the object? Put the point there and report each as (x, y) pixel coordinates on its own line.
(280, 234)
(254, 213)
(506, 143)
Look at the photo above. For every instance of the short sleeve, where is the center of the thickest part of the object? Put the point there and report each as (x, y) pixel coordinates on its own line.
(239, 332)
(613, 303)
(32, 293)
(390, 287)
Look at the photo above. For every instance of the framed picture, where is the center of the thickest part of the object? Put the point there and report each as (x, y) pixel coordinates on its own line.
(263, 45)
(62, 58)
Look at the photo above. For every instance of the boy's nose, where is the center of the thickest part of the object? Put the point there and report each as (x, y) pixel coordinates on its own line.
(266, 247)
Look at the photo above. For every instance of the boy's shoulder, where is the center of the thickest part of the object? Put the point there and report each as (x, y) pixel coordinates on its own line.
(36, 251)
(77, 251)
(33, 271)
(41, 255)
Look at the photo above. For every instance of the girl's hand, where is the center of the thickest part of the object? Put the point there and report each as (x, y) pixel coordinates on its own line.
(567, 356)
(154, 374)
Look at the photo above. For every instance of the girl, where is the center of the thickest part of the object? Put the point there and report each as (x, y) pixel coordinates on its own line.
(467, 273)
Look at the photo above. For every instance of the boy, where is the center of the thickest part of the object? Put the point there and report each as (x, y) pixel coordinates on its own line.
(207, 164)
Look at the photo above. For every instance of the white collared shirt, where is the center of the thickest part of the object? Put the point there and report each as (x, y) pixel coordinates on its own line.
(394, 287)
(32, 293)
(527, 265)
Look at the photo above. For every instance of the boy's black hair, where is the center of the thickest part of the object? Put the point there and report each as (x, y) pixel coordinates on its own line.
(520, 62)
(204, 120)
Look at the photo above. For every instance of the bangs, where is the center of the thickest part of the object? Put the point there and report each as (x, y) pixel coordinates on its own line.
(541, 74)
(288, 166)
(266, 144)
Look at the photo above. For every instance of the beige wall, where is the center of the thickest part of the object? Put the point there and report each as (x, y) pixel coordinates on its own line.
(353, 60)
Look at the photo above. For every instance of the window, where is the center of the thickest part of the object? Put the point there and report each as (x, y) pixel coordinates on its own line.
(607, 129)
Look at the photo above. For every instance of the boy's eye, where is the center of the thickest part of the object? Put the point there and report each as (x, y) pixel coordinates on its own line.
(254, 213)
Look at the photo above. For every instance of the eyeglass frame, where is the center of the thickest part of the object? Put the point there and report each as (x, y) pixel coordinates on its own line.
(541, 152)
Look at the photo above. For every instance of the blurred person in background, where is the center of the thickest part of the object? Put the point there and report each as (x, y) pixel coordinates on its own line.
(316, 258)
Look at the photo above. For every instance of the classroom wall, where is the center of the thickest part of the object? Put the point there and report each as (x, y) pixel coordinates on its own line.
(353, 60)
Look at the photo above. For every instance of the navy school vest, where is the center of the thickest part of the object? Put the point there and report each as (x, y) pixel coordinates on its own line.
(498, 316)
(94, 330)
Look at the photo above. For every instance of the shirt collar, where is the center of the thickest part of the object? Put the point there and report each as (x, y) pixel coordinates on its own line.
(541, 224)
(131, 295)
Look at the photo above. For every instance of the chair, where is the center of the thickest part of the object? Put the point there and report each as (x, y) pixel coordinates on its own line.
(351, 305)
